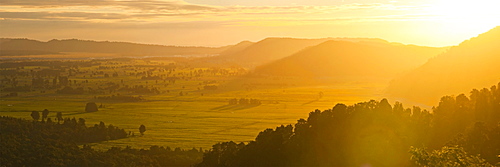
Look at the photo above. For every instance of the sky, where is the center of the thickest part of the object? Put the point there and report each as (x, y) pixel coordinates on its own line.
(226, 22)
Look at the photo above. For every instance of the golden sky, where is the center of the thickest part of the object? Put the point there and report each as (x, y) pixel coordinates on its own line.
(223, 22)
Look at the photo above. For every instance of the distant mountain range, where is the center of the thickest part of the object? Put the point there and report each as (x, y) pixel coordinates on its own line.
(15, 47)
(422, 74)
(475, 63)
(264, 51)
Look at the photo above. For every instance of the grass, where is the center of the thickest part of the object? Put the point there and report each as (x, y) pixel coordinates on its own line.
(191, 120)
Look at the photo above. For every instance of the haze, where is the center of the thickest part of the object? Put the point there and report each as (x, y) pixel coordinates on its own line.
(224, 22)
(209, 83)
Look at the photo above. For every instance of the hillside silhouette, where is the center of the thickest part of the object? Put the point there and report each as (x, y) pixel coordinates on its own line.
(271, 49)
(237, 48)
(345, 59)
(14, 47)
(473, 63)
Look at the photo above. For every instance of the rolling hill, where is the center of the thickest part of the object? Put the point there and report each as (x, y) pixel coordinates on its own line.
(14, 47)
(237, 48)
(271, 49)
(341, 60)
(474, 63)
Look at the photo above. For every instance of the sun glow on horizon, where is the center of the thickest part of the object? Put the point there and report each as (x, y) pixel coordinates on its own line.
(467, 10)
(460, 16)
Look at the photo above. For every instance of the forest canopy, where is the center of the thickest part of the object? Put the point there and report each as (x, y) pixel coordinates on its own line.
(47, 143)
(460, 131)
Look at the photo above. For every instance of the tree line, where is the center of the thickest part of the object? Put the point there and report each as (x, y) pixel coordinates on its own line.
(67, 129)
(244, 101)
(46, 143)
(460, 131)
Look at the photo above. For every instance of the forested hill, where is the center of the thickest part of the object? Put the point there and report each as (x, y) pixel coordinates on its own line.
(461, 131)
(473, 63)
(13, 47)
(345, 59)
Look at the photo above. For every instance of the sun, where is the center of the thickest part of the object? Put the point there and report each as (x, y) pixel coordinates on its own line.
(463, 17)
(467, 12)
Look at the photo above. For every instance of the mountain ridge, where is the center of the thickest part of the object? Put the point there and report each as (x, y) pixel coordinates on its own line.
(90, 46)
(472, 63)
(274, 48)
(333, 59)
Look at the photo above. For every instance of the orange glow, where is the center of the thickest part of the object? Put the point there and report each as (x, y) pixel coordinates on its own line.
(465, 16)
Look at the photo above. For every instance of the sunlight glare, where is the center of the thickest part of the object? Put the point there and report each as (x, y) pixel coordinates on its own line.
(455, 19)
(467, 13)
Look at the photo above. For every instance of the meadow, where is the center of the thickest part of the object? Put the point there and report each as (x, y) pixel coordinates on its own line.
(181, 111)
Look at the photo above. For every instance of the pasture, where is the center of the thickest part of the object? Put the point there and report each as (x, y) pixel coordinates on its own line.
(181, 113)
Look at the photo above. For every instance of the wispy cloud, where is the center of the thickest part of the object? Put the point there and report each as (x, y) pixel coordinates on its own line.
(53, 3)
(151, 5)
(157, 10)
(178, 20)
(60, 15)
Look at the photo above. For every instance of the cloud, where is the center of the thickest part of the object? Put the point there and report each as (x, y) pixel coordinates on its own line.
(137, 5)
(178, 22)
(157, 10)
(100, 9)
(62, 24)
(160, 12)
(155, 6)
(87, 16)
(60, 15)
(166, 5)
(54, 3)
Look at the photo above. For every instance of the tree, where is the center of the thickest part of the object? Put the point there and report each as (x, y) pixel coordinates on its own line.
(142, 129)
(91, 107)
(447, 156)
(384, 106)
(49, 121)
(35, 115)
(81, 121)
(45, 113)
(59, 117)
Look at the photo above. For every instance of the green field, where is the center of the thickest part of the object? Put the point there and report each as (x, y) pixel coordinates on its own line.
(199, 118)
